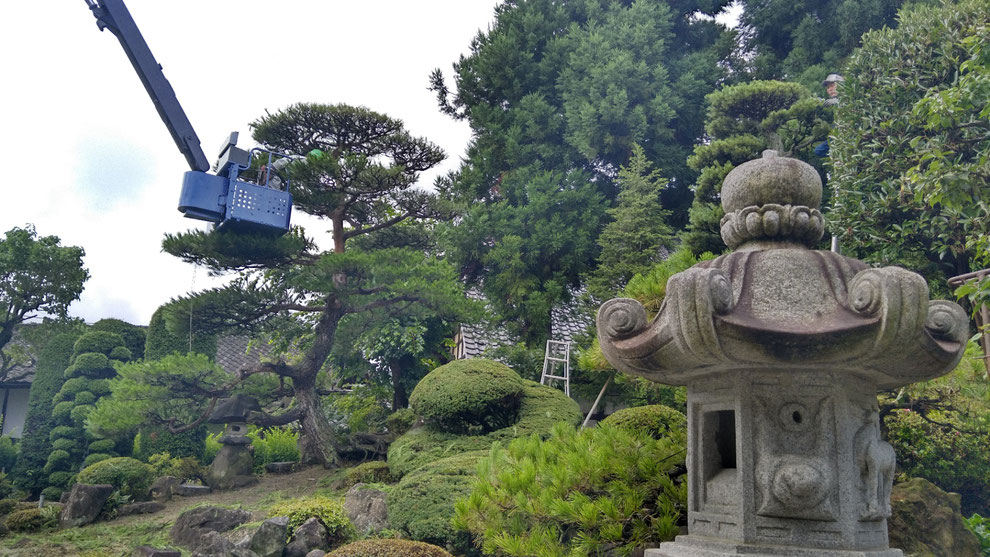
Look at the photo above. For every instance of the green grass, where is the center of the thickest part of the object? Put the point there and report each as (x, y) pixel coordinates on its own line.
(95, 540)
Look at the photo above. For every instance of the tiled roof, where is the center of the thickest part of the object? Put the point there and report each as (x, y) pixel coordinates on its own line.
(233, 354)
(21, 373)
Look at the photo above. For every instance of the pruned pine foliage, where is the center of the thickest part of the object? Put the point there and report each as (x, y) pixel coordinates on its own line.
(579, 493)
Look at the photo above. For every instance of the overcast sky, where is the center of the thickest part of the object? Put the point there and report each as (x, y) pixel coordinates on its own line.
(88, 159)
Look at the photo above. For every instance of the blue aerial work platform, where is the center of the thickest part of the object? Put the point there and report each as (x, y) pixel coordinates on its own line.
(231, 204)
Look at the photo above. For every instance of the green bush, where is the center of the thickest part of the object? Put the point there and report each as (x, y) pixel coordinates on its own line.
(7, 506)
(152, 439)
(85, 397)
(97, 341)
(329, 512)
(8, 453)
(62, 410)
(655, 420)
(161, 342)
(79, 413)
(71, 387)
(52, 492)
(389, 548)
(540, 408)
(211, 446)
(130, 476)
(468, 396)
(93, 458)
(274, 444)
(31, 520)
(64, 432)
(400, 421)
(979, 526)
(580, 492)
(101, 446)
(62, 479)
(120, 353)
(99, 387)
(186, 468)
(57, 460)
(6, 486)
(63, 444)
(91, 361)
(372, 472)
(421, 506)
(134, 336)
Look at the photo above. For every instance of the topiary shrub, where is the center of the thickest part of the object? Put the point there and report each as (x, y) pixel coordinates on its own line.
(134, 336)
(400, 421)
(540, 408)
(101, 342)
(154, 439)
(373, 472)
(93, 458)
(91, 362)
(130, 476)
(389, 548)
(328, 511)
(101, 446)
(468, 396)
(656, 420)
(31, 520)
(580, 492)
(421, 506)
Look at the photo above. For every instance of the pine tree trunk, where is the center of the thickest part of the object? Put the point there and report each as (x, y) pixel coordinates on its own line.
(320, 445)
(400, 399)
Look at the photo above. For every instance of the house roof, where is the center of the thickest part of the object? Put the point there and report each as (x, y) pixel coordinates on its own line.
(234, 355)
(566, 322)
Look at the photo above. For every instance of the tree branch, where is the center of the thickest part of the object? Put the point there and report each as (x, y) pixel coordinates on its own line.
(182, 429)
(261, 419)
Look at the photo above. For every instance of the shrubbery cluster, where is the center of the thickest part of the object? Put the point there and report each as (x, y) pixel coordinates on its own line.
(389, 548)
(328, 511)
(129, 476)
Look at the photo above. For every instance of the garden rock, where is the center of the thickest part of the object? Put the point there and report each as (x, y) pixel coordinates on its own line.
(194, 528)
(148, 551)
(191, 490)
(84, 504)
(927, 521)
(281, 467)
(269, 539)
(309, 536)
(232, 468)
(164, 488)
(366, 508)
(142, 507)
(316, 553)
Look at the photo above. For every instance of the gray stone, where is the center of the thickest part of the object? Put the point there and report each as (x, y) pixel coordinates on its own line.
(269, 539)
(309, 536)
(141, 507)
(194, 528)
(84, 504)
(148, 551)
(366, 508)
(231, 468)
(783, 350)
(927, 521)
(316, 553)
(164, 488)
(191, 490)
(281, 467)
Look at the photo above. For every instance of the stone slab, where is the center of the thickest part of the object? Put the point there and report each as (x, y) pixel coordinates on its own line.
(693, 546)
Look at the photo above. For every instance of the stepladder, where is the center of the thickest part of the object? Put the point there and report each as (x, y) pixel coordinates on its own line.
(557, 365)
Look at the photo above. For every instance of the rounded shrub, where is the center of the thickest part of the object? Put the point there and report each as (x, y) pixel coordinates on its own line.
(400, 421)
(62, 409)
(30, 520)
(468, 396)
(63, 478)
(97, 341)
(85, 397)
(79, 414)
(91, 361)
(328, 511)
(64, 444)
(389, 548)
(93, 458)
(132, 477)
(99, 387)
(373, 472)
(73, 386)
(120, 353)
(56, 459)
(102, 446)
(64, 431)
(53, 492)
(422, 504)
(656, 420)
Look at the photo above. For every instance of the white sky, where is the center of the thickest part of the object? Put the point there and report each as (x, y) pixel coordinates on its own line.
(89, 160)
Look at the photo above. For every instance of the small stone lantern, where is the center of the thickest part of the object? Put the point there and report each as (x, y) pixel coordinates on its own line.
(783, 350)
(233, 466)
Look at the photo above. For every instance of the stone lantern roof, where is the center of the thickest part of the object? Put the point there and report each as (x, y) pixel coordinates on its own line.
(774, 302)
(234, 409)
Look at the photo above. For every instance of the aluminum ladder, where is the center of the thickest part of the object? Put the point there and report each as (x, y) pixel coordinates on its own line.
(558, 355)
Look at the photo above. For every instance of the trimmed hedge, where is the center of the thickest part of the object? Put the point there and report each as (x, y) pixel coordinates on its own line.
(134, 336)
(161, 342)
(468, 396)
(372, 472)
(389, 548)
(132, 477)
(97, 341)
(422, 504)
(152, 439)
(656, 420)
(328, 511)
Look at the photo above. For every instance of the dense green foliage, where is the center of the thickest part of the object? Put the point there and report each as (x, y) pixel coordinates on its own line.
(656, 420)
(421, 505)
(579, 492)
(742, 121)
(466, 396)
(154, 439)
(32, 520)
(37, 276)
(371, 472)
(911, 142)
(805, 40)
(940, 429)
(389, 548)
(540, 408)
(161, 341)
(328, 511)
(134, 336)
(981, 527)
(129, 476)
(274, 444)
(49, 375)
(638, 236)
(86, 376)
(557, 94)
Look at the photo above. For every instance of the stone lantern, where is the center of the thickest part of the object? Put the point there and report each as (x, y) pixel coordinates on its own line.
(783, 349)
(233, 466)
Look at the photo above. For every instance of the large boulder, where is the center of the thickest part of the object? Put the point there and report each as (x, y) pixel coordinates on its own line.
(232, 468)
(309, 536)
(927, 522)
(164, 487)
(366, 508)
(192, 530)
(84, 504)
(269, 539)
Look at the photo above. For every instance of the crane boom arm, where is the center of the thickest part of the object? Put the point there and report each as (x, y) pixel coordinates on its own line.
(113, 15)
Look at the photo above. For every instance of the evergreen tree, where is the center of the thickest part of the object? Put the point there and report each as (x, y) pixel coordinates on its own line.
(638, 236)
(358, 175)
(134, 336)
(557, 94)
(49, 375)
(161, 342)
(743, 120)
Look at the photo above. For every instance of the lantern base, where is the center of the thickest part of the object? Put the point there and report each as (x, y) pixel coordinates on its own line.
(694, 546)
